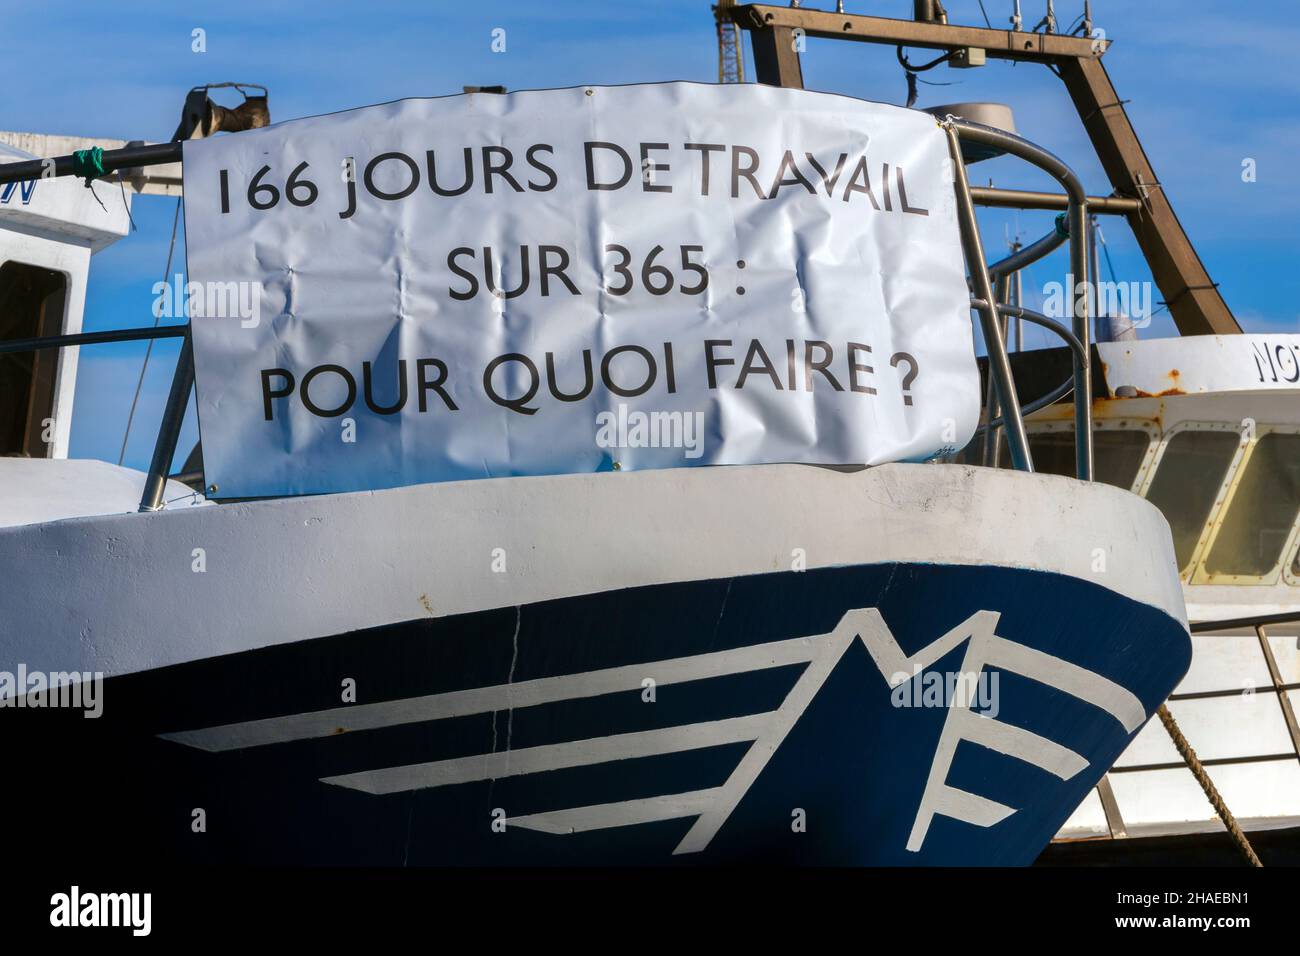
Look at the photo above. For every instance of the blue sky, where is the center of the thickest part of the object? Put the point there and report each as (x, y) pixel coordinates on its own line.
(1209, 84)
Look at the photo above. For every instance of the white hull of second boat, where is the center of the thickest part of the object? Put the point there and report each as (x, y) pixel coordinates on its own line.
(1239, 392)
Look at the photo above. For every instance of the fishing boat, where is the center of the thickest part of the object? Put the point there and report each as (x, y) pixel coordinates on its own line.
(921, 660)
(1206, 428)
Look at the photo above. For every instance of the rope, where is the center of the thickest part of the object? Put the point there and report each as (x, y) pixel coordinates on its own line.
(89, 164)
(121, 456)
(1211, 792)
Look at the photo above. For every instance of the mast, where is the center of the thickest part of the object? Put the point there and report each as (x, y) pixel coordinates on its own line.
(731, 56)
(1193, 298)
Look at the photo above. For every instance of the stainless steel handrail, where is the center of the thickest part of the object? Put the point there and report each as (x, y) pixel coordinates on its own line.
(1056, 394)
(995, 343)
(1029, 254)
(981, 281)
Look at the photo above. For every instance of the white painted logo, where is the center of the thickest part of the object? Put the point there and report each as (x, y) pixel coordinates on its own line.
(985, 648)
(764, 732)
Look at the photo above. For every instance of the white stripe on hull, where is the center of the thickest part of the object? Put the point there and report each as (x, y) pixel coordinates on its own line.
(575, 753)
(483, 700)
(607, 815)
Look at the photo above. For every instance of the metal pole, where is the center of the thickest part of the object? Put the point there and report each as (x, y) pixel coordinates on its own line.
(993, 440)
(1033, 199)
(1077, 218)
(1062, 390)
(170, 429)
(114, 159)
(1018, 300)
(1102, 331)
(1232, 623)
(999, 365)
(1023, 256)
(1275, 675)
(1037, 318)
(91, 338)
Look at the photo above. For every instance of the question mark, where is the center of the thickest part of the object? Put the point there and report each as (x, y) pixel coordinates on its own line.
(912, 369)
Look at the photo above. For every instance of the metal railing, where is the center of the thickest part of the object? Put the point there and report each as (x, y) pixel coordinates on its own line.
(177, 399)
(1279, 688)
(992, 310)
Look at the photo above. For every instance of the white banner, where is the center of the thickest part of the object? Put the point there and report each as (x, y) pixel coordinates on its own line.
(575, 280)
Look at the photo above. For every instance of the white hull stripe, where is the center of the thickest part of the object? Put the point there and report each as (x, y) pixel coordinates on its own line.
(482, 700)
(607, 815)
(576, 753)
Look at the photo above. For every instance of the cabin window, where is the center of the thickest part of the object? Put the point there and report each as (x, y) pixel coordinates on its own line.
(1262, 512)
(1187, 482)
(32, 302)
(1117, 454)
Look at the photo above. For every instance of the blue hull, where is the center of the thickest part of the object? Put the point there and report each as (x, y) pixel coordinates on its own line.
(770, 731)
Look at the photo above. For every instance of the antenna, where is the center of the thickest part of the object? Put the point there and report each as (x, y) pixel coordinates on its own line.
(1049, 20)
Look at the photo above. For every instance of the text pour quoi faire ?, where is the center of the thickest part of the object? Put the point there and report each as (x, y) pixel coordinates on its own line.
(520, 382)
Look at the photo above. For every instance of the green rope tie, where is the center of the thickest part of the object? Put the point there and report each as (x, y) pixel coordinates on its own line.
(89, 164)
(1062, 226)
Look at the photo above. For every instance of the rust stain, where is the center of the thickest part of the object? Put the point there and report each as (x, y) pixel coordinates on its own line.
(1167, 392)
(1111, 408)
(340, 730)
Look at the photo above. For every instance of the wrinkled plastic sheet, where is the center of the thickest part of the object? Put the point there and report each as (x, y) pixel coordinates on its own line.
(715, 275)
